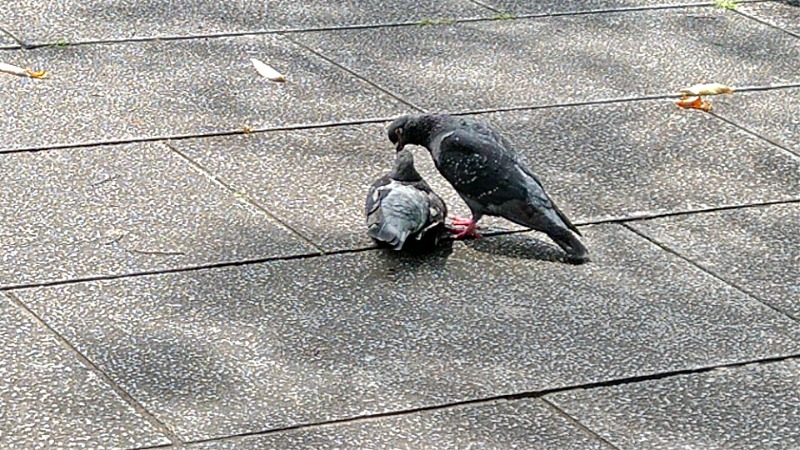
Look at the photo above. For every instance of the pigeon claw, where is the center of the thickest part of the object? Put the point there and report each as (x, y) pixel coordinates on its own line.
(468, 232)
(461, 221)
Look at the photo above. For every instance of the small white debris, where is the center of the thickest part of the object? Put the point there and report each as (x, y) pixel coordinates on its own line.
(19, 71)
(267, 71)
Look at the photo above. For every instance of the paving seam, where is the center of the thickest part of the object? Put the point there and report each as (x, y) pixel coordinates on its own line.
(448, 21)
(13, 37)
(147, 273)
(756, 135)
(489, 7)
(255, 261)
(553, 407)
(763, 22)
(355, 74)
(241, 197)
(363, 121)
(529, 395)
(710, 272)
(160, 426)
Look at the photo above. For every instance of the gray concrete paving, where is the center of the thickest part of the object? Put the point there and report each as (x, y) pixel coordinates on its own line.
(167, 279)
(156, 88)
(241, 350)
(543, 61)
(784, 15)
(514, 425)
(744, 407)
(101, 211)
(49, 399)
(752, 248)
(78, 20)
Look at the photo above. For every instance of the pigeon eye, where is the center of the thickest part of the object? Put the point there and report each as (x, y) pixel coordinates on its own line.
(399, 132)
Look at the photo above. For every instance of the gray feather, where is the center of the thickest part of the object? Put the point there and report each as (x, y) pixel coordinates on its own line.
(401, 205)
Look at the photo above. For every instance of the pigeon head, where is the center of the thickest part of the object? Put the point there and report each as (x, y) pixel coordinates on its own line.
(404, 169)
(414, 130)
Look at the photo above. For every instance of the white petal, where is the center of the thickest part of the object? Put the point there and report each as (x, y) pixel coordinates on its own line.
(267, 71)
(14, 70)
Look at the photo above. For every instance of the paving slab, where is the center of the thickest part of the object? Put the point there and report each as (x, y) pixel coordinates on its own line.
(757, 249)
(750, 407)
(521, 7)
(161, 88)
(49, 399)
(315, 180)
(6, 41)
(76, 20)
(782, 14)
(771, 114)
(259, 347)
(113, 210)
(550, 60)
(599, 162)
(525, 424)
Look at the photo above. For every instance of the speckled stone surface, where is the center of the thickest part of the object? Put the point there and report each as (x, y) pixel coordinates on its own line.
(158, 88)
(316, 180)
(112, 210)
(567, 6)
(6, 41)
(783, 14)
(525, 424)
(757, 249)
(551, 60)
(639, 158)
(749, 407)
(48, 399)
(258, 347)
(75, 20)
(771, 114)
(599, 162)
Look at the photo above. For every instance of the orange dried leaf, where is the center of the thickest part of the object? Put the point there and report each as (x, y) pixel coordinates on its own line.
(695, 103)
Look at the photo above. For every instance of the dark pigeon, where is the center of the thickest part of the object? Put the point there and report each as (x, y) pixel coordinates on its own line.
(485, 170)
(401, 205)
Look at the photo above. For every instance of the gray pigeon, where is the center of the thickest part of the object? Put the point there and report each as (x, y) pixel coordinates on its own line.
(488, 174)
(401, 205)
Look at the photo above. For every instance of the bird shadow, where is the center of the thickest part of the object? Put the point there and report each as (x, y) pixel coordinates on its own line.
(518, 246)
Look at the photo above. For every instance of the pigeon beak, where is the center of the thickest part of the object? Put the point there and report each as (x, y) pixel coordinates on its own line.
(399, 146)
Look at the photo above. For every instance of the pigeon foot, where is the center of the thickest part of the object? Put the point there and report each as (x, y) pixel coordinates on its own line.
(468, 232)
(461, 221)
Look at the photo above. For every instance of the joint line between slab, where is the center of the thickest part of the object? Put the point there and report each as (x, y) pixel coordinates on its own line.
(160, 426)
(241, 196)
(362, 121)
(506, 397)
(756, 135)
(246, 262)
(763, 22)
(228, 34)
(355, 74)
(552, 406)
(708, 271)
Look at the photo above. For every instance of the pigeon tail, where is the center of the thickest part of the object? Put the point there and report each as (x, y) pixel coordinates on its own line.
(577, 253)
(388, 233)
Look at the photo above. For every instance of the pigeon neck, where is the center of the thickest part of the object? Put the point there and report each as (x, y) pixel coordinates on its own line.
(426, 129)
(406, 172)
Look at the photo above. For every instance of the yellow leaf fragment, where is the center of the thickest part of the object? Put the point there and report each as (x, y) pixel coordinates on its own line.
(34, 74)
(267, 71)
(706, 89)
